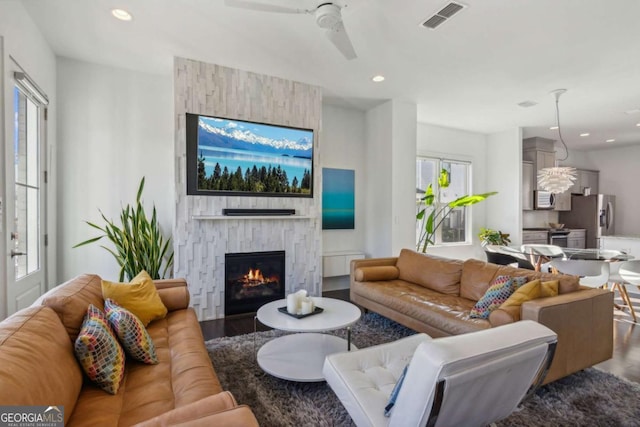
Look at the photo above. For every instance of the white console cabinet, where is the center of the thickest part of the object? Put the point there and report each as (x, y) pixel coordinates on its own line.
(338, 263)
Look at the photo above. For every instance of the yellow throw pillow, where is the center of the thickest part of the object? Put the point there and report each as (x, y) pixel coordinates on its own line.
(549, 289)
(526, 292)
(139, 297)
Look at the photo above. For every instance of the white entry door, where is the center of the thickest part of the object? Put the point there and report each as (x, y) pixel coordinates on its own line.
(26, 198)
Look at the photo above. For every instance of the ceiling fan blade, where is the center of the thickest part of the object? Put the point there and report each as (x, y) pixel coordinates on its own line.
(263, 7)
(339, 37)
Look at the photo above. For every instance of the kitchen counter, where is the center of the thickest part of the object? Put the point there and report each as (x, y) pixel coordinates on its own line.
(563, 237)
(549, 228)
(627, 244)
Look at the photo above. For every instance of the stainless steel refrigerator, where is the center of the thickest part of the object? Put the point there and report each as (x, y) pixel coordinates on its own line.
(594, 213)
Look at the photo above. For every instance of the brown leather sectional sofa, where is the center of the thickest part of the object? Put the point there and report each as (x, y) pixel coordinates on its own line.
(435, 295)
(38, 366)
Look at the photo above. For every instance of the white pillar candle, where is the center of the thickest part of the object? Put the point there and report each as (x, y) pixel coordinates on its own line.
(306, 306)
(292, 303)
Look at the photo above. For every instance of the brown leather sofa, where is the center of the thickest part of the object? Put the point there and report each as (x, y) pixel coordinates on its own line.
(435, 295)
(38, 365)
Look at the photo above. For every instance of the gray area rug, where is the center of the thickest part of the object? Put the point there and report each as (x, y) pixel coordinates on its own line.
(587, 398)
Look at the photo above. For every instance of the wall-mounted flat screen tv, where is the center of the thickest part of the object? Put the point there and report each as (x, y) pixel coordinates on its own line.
(236, 157)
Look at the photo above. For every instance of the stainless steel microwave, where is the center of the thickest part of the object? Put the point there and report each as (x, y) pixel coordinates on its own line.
(543, 200)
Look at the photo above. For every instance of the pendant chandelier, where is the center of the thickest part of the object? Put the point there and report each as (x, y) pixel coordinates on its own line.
(557, 179)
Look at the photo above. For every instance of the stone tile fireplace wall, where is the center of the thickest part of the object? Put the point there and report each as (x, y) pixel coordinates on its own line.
(201, 236)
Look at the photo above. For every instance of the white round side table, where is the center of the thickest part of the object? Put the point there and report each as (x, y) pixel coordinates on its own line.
(300, 357)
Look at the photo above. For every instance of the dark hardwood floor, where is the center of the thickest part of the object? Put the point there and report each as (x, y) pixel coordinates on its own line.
(626, 336)
(626, 344)
(243, 323)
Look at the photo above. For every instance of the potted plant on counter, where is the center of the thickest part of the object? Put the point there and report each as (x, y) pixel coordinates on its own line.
(493, 237)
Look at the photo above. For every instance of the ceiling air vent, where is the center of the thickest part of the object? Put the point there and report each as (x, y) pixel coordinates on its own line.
(442, 15)
(451, 9)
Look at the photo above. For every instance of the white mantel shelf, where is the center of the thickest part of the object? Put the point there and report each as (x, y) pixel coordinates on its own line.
(245, 217)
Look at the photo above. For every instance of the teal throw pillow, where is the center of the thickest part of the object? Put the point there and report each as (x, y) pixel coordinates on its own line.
(394, 393)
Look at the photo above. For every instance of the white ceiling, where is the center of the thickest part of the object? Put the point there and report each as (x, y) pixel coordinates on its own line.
(468, 74)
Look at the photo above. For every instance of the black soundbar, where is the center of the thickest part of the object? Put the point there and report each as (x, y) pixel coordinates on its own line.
(257, 212)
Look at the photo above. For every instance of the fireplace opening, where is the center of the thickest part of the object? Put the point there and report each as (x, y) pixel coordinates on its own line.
(252, 279)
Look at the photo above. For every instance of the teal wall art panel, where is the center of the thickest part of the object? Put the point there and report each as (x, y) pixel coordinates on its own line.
(338, 199)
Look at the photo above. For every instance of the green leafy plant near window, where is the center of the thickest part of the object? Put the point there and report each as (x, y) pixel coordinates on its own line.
(433, 214)
(138, 243)
(493, 237)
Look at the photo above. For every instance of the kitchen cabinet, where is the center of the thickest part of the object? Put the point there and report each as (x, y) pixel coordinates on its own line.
(527, 186)
(577, 239)
(563, 201)
(541, 152)
(535, 237)
(589, 179)
(586, 178)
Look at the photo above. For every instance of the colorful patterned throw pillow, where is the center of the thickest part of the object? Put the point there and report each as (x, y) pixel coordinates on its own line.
(131, 333)
(98, 351)
(500, 290)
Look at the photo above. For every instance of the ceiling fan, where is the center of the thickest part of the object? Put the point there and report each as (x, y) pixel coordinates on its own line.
(328, 16)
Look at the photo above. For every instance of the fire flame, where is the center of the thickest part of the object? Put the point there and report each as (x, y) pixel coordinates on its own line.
(255, 275)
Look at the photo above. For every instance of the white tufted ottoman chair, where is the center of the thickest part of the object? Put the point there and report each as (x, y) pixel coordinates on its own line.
(364, 379)
(465, 380)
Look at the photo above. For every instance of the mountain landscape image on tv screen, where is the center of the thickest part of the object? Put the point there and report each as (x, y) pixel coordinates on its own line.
(236, 156)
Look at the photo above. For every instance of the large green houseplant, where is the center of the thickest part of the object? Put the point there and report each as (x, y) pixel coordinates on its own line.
(433, 214)
(138, 243)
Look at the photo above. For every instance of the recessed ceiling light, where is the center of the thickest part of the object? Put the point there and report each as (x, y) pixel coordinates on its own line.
(611, 140)
(553, 128)
(585, 134)
(638, 124)
(379, 78)
(122, 14)
(527, 104)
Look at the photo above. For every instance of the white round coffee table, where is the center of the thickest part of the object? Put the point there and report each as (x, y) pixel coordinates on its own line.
(300, 357)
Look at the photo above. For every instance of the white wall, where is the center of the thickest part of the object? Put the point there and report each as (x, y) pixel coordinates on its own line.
(620, 175)
(343, 147)
(403, 193)
(456, 144)
(379, 122)
(115, 126)
(504, 175)
(578, 159)
(22, 40)
(391, 171)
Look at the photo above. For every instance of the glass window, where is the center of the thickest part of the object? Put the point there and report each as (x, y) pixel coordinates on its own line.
(26, 235)
(453, 228)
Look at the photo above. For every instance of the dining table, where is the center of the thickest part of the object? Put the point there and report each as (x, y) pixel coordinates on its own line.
(607, 255)
(544, 253)
(596, 254)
